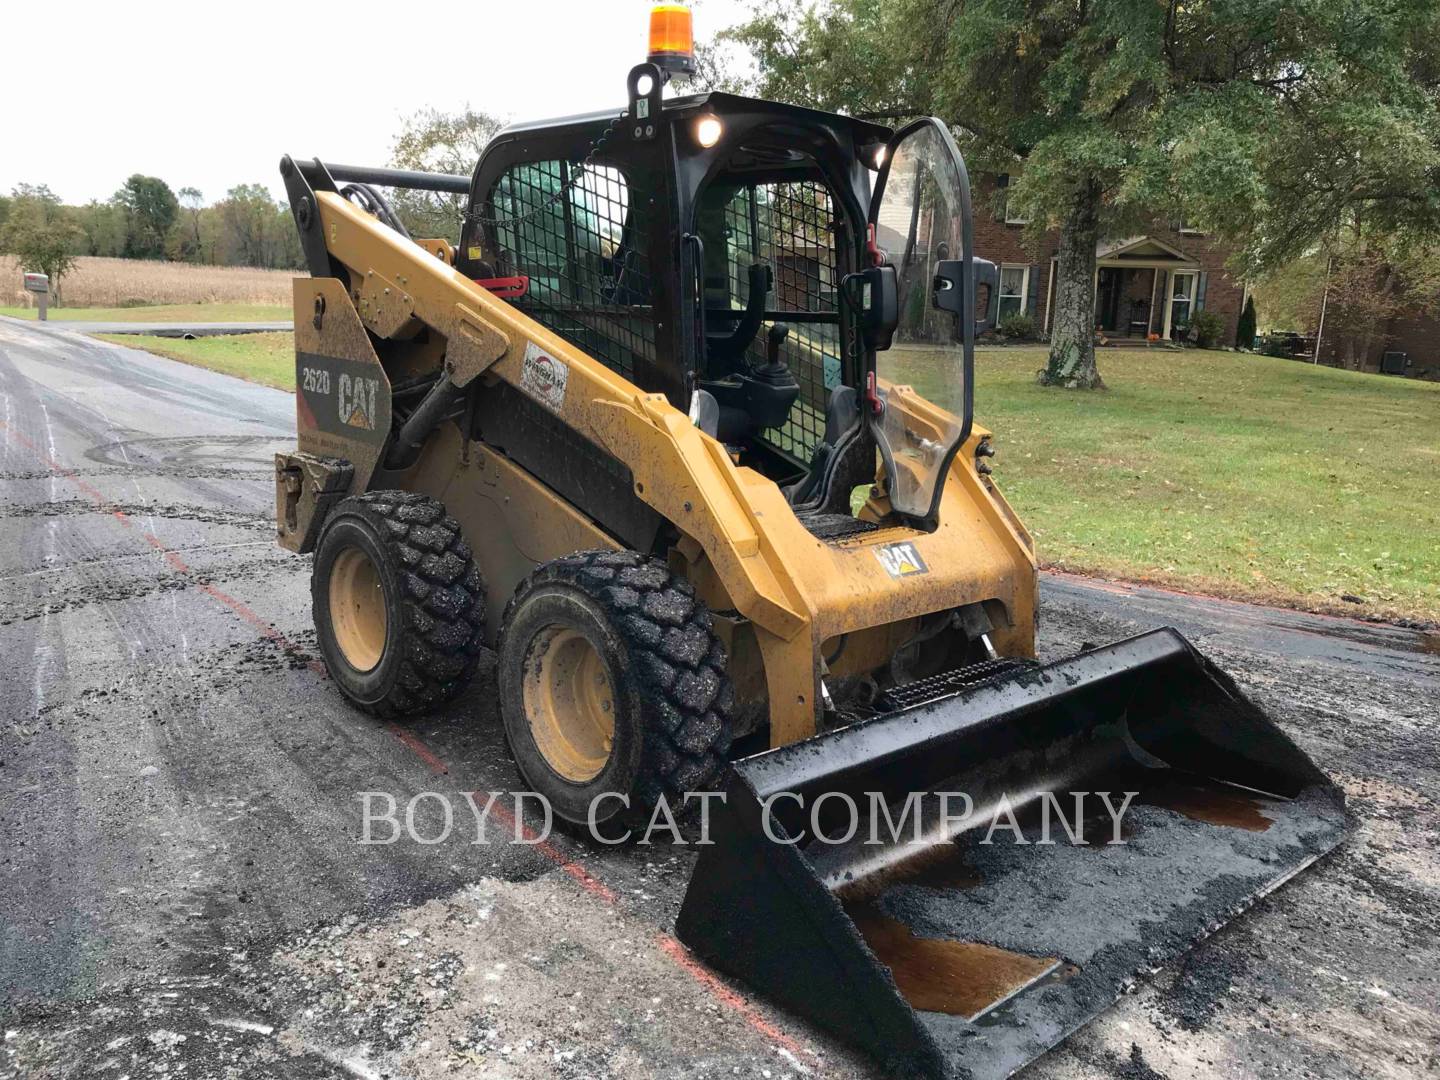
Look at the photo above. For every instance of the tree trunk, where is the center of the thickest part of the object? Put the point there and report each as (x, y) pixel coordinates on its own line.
(1381, 311)
(1072, 333)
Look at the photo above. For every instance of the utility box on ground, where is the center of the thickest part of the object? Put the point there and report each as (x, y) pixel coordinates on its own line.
(1394, 363)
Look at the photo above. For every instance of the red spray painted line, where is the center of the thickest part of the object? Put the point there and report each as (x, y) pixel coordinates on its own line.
(172, 558)
(667, 942)
(726, 996)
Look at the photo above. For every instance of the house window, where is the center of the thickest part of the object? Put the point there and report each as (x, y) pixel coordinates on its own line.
(1011, 217)
(1014, 287)
(1182, 301)
(1190, 229)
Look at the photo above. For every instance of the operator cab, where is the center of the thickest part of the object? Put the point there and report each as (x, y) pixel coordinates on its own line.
(720, 250)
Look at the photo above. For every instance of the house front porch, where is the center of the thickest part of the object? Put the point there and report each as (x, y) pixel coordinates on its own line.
(1143, 287)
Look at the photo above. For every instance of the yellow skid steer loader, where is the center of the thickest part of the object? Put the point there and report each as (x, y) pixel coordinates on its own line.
(683, 430)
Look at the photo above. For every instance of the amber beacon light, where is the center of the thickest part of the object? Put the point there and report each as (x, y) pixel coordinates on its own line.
(672, 39)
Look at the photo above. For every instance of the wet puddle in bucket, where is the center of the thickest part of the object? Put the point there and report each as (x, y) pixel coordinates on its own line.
(944, 868)
(961, 978)
(1207, 801)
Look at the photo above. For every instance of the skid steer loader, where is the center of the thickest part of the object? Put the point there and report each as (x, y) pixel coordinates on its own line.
(683, 430)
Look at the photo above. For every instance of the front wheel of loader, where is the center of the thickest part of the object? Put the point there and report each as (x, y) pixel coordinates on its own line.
(398, 602)
(612, 681)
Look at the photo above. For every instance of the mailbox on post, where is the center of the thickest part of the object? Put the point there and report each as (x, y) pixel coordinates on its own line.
(39, 284)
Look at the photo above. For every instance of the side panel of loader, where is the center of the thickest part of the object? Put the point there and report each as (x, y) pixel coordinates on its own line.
(342, 411)
(511, 521)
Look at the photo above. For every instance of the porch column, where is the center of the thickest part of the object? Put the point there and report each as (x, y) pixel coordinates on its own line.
(1165, 299)
(1150, 314)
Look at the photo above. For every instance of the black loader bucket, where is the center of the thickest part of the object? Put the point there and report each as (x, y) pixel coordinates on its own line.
(904, 932)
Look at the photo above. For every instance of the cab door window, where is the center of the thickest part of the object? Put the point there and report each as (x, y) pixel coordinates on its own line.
(788, 227)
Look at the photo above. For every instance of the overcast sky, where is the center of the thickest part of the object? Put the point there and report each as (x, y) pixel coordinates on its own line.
(209, 95)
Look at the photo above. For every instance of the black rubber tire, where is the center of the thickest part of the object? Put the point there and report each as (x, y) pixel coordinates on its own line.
(433, 595)
(667, 667)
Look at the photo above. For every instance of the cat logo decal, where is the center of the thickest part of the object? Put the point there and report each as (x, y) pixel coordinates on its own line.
(901, 560)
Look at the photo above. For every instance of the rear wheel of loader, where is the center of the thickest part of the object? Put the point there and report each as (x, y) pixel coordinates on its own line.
(612, 680)
(398, 602)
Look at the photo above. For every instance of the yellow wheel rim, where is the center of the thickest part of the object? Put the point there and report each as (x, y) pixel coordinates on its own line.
(357, 609)
(569, 703)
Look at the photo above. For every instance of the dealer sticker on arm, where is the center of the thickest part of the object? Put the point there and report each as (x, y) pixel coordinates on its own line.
(543, 377)
(901, 560)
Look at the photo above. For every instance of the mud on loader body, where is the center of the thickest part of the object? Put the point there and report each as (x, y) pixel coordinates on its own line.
(683, 430)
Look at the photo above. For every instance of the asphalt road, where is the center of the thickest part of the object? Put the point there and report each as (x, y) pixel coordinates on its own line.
(182, 891)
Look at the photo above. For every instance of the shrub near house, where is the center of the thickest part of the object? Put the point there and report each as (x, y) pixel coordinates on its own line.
(1018, 326)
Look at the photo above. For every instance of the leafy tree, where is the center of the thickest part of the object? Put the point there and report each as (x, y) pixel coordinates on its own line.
(1245, 329)
(1340, 144)
(252, 229)
(1289, 298)
(103, 228)
(715, 69)
(150, 211)
(435, 141)
(1361, 281)
(1369, 284)
(39, 233)
(1110, 112)
(184, 240)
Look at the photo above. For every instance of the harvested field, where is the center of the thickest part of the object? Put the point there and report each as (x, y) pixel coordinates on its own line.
(107, 283)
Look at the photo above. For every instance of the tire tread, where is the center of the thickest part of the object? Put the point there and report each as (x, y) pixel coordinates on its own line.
(444, 622)
(673, 651)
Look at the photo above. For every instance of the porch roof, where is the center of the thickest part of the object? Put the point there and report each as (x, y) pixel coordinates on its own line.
(1143, 251)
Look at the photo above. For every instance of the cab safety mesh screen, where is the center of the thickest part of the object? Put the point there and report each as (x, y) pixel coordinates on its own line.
(577, 235)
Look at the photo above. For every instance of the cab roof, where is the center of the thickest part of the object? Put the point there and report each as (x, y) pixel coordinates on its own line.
(721, 104)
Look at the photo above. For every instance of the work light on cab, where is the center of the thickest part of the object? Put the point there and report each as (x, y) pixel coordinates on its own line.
(672, 39)
(708, 130)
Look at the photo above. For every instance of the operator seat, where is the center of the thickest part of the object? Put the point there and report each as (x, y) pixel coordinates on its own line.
(844, 460)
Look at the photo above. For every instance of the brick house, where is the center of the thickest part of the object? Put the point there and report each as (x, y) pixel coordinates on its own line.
(1148, 283)
(1412, 341)
(1407, 344)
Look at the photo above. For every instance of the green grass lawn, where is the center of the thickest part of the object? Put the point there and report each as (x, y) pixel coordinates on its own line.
(261, 358)
(163, 313)
(1239, 475)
